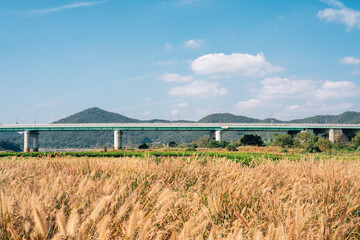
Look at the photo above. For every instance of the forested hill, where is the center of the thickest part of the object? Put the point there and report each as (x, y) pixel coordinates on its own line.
(346, 118)
(231, 118)
(227, 118)
(97, 115)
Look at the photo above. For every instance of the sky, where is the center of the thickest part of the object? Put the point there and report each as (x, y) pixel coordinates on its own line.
(178, 59)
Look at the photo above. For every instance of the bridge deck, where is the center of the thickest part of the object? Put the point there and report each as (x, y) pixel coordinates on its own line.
(174, 127)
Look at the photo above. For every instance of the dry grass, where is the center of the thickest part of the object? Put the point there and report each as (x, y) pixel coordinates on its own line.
(178, 198)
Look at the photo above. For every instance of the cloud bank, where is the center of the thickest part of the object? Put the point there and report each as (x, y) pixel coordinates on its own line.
(341, 14)
(236, 63)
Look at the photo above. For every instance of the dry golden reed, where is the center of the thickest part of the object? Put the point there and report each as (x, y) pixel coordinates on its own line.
(178, 198)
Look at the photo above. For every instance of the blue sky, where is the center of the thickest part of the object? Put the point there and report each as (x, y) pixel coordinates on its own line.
(178, 58)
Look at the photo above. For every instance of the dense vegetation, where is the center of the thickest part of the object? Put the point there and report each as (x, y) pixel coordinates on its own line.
(6, 145)
(312, 143)
(178, 198)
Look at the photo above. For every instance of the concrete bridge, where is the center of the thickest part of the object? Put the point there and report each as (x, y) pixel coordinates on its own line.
(330, 131)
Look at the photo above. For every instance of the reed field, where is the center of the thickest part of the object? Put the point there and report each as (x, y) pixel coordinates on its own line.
(179, 197)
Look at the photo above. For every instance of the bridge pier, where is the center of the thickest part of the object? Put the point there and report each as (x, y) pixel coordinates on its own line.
(217, 135)
(118, 140)
(333, 133)
(27, 141)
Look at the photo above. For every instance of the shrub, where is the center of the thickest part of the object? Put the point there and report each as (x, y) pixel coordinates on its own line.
(224, 144)
(307, 141)
(144, 146)
(190, 149)
(105, 148)
(356, 140)
(231, 148)
(213, 144)
(283, 140)
(202, 142)
(172, 144)
(324, 144)
(251, 139)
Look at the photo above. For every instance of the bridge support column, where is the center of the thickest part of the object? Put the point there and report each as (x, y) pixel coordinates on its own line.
(218, 136)
(27, 141)
(35, 137)
(118, 140)
(333, 133)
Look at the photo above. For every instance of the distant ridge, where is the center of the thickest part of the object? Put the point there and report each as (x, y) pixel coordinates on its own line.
(98, 115)
(349, 117)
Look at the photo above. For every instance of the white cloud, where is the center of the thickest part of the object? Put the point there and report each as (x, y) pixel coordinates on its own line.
(283, 88)
(337, 90)
(175, 78)
(285, 99)
(175, 112)
(167, 62)
(310, 108)
(168, 46)
(200, 89)
(349, 60)
(193, 43)
(181, 105)
(65, 7)
(342, 14)
(246, 105)
(236, 63)
(333, 3)
(276, 88)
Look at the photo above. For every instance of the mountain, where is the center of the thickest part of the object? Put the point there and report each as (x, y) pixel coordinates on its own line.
(227, 118)
(96, 139)
(231, 118)
(97, 115)
(345, 118)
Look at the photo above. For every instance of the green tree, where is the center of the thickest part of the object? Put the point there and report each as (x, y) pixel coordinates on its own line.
(356, 140)
(251, 139)
(223, 144)
(283, 140)
(324, 144)
(231, 148)
(144, 146)
(213, 144)
(202, 142)
(307, 141)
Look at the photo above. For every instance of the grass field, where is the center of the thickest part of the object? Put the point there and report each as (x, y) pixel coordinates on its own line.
(179, 197)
